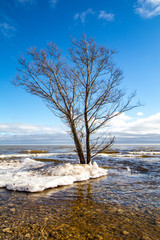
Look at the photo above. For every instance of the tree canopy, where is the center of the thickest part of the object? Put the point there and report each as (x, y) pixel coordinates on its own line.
(82, 88)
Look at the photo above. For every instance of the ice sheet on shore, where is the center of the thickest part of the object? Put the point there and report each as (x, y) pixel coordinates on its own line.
(34, 176)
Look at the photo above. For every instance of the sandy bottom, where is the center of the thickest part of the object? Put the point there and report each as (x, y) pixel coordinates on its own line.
(60, 214)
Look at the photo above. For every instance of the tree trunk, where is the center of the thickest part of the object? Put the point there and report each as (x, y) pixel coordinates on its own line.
(77, 143)
(88, 147)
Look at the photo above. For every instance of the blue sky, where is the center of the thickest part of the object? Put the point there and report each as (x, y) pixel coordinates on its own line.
(132, 27)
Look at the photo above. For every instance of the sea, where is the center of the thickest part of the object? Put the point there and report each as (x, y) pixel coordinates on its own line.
(46, 194)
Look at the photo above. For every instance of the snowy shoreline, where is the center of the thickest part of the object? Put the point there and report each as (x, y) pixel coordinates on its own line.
(35, 176)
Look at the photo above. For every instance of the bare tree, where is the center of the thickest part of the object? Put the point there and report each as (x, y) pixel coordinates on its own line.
(83, 90)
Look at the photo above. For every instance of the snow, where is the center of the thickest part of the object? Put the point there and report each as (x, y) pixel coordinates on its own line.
(35, 176)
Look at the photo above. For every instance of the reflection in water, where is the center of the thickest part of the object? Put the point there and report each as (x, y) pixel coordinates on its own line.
(122, 205)
(75, 212)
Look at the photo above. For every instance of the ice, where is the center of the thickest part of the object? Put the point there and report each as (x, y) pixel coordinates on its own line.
(34, 176)
(129, 170)
(26, 155)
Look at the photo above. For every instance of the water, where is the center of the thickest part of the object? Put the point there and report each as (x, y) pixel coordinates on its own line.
(124, 204)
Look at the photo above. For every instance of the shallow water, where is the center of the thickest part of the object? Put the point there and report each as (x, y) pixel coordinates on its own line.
(122, 205)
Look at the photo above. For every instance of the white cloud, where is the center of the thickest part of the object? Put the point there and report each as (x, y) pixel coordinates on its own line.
(149, 125)
(25, 129)
(82, 16)
(140, 114)
(76, 16)
(7, 29)
(120, 122)
(123, 127)
(99, 15)
(8, 26)
(148, 8)
(19, 133)
(106, 16)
